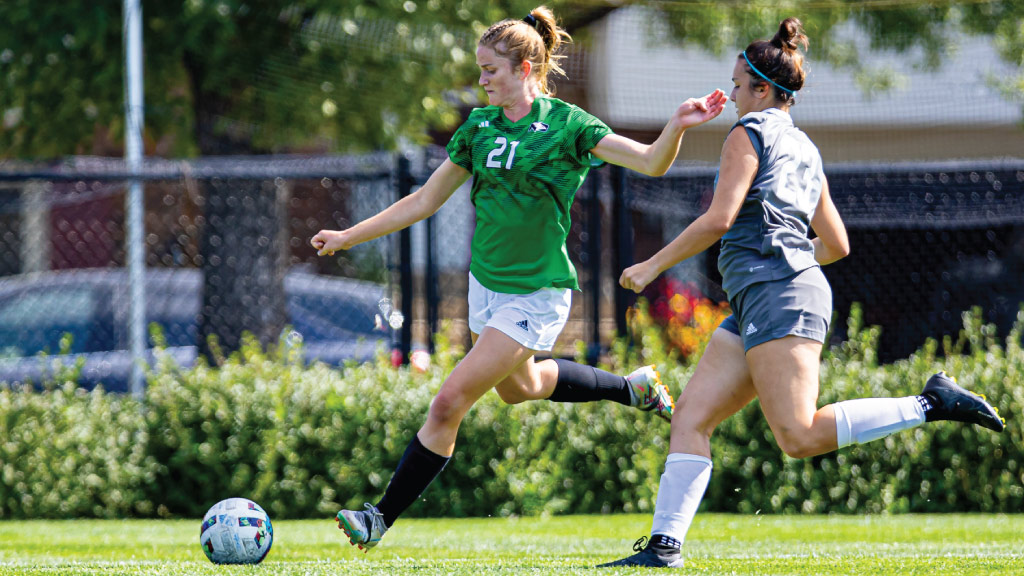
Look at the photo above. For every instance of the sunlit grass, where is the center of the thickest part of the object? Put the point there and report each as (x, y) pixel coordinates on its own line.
(718, 544)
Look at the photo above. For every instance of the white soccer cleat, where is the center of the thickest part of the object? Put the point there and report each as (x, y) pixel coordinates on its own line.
(364, 528)
(649, 394)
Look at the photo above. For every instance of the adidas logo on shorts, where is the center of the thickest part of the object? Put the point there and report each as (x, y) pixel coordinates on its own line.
(751, 329)
(522, 324)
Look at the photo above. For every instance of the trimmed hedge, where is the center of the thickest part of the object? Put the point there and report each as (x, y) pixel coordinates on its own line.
(305, 441)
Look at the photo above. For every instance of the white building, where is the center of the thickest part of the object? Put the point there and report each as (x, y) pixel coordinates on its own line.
(633, 81)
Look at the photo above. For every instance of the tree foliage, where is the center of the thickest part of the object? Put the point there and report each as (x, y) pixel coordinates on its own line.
(229, 76)
(842, 31)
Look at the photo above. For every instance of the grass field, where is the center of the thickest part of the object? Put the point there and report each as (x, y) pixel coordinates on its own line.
(930, 545)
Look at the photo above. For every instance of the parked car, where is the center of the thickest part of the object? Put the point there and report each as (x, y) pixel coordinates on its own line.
(334, 316)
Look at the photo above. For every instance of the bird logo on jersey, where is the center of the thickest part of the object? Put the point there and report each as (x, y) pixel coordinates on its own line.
(538, 127)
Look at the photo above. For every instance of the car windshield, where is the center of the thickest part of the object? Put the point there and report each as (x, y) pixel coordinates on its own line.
(52, 312)
(331, 316)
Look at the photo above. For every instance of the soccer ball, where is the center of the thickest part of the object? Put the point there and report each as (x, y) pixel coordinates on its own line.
(236, 531)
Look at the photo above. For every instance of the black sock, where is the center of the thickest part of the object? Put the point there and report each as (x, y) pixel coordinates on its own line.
(582, 383)
(416, 470)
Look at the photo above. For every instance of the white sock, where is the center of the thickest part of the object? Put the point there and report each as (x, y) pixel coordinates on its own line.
(867, 419)
(679, 494)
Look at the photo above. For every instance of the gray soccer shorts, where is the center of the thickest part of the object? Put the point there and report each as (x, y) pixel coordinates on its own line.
(800, 305)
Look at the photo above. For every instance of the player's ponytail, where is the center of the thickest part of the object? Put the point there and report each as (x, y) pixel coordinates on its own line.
(536, 38)
(790, 36)
(553, 38)
(779, 61)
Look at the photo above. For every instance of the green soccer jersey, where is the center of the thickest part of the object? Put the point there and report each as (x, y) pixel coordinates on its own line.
(525, 176)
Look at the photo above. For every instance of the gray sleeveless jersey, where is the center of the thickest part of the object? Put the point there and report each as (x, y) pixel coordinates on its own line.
(769, 239)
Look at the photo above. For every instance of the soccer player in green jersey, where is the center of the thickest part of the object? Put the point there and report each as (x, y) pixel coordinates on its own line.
(528, 154)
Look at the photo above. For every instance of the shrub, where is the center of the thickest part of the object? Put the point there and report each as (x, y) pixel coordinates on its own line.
(66, 453)
(307, 440)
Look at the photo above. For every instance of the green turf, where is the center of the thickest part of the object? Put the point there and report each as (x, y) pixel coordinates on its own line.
(929, 545)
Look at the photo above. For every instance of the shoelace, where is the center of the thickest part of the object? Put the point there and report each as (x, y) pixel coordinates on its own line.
(640, 544)
(376, 520)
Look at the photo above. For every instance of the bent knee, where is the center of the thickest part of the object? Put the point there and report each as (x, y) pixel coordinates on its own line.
(799, 445)
(447, 408)
(511, 394)
(519, 388)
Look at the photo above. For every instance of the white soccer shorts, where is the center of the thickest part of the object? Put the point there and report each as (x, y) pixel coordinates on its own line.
(534, 320)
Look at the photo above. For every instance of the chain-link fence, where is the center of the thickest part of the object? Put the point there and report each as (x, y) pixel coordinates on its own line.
(929, 241)
(227, 252)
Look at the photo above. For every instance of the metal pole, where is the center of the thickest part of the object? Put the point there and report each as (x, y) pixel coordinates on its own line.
(593, 220)
(35, 215)
(134, 207)
(433, 297)
(405, 184)
(622, 234)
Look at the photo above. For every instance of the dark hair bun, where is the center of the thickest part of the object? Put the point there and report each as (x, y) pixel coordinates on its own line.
(790, 35)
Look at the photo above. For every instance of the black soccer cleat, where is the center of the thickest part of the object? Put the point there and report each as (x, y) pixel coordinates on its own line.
(951, 402)
(655, 554)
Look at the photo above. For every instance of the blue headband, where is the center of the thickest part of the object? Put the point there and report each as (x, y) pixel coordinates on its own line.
(758, 72)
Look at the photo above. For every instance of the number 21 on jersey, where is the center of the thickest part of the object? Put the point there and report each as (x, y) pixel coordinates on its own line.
(494, 158)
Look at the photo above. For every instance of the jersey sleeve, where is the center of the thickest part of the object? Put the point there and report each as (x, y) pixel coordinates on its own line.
(460, 147)
(753, 124)
(589, 130)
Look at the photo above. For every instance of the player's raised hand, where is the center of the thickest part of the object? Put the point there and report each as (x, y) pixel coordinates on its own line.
(638, 276)
(326, 242)
(697, 111)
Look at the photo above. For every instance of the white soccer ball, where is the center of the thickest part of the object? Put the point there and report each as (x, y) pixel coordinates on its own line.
(236, 531)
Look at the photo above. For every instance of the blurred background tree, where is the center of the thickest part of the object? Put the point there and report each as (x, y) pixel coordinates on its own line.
(228, 76)
(841, 31)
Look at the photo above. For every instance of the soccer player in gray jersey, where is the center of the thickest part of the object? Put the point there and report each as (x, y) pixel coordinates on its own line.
(770, 191)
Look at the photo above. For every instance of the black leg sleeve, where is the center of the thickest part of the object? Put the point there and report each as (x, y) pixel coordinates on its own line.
(582, 383)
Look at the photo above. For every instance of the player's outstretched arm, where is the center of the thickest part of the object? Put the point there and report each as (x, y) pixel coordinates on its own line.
(655, 159)
(832, 242)
(402, 214)
(739, 166)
